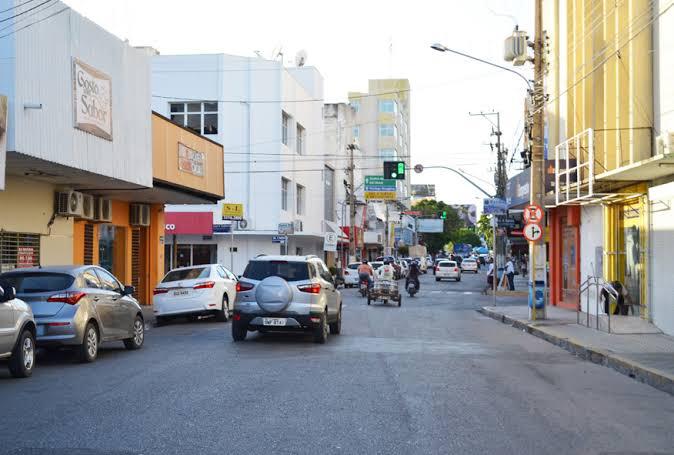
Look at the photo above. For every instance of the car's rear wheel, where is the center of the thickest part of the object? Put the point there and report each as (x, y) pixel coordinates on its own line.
(239, 331)
(336, 327)
(23, 357)
(400, 299)
(321, 331)
(88, 350)
(437, 279)
(223, 314)
(458, 278)
(138, 338)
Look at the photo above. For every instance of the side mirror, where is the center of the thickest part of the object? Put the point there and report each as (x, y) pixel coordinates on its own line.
(128, 290)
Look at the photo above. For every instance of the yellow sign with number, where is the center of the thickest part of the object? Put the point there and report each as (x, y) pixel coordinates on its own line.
(232, 211)
(380, 195)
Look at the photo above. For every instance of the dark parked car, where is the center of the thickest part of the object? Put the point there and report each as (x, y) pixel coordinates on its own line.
(79, 306)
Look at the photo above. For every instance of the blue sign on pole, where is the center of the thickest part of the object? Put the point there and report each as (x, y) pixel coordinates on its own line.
(279, 239)
(494, 206)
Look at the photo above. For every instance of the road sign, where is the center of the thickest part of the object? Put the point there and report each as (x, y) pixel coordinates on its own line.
(494, 206)
(232, 212)
(419, 168)
(330, 241)
(533, 232)
(379, 188)
(282, 239)
(533, 214)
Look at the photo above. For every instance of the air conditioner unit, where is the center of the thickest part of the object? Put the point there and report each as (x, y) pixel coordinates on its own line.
(69, 203)
(244, 224)
(297, 225)
(140, 215)
(87, 207)
(103, 210)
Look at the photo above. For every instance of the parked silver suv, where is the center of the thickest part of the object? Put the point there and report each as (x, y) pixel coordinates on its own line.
(17, 332)
(287, 294)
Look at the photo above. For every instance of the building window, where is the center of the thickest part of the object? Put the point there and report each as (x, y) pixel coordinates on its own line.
(300, 200)
(200, 117)
(389, 106)
(355, 105)
(301, 133)
(386, 130)
(329, 194)
(387, 154)
(285, 122)
(356, 132)
(285, 187)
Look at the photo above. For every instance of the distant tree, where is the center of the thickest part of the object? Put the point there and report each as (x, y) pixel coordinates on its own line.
(485, 230)
(467, 235)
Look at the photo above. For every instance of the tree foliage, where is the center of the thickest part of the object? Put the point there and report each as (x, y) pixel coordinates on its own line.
(485, 230)
(467, 235)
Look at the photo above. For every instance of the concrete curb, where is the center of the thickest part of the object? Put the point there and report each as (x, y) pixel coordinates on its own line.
(651, 376)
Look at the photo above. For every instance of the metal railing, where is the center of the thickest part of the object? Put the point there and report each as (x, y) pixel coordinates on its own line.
(600, 286)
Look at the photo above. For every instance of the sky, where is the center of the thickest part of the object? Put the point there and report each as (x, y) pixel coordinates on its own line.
(353, 41)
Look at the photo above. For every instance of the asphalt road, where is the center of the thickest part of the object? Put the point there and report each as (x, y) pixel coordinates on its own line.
(430, 377)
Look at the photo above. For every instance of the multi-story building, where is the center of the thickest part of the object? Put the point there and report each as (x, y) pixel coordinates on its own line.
(269, 120)
(610, 147)
(86, 182)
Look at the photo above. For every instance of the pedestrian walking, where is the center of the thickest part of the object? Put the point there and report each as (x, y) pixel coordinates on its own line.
(510, 273)
(490, 277)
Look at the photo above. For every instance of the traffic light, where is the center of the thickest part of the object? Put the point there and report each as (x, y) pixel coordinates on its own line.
(442, 215)
(394, 170)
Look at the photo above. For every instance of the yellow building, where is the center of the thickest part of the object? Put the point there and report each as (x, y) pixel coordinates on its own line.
(600, 131)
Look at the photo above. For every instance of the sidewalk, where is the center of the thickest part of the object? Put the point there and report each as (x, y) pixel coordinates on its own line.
(648, 358)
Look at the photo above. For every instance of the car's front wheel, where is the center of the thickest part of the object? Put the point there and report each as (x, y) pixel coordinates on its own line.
(239, 331)
(23, 357)
(88, 350)
(136, 341)
(321, 331)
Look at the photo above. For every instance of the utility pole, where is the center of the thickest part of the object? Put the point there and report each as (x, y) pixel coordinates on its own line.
(537, 259)
(352, 203)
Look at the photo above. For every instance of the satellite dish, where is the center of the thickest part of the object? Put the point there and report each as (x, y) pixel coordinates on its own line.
(301, 58)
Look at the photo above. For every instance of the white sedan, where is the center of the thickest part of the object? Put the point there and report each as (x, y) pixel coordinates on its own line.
(447, 269)
(469, 265)
(195, 291)
(351, 275)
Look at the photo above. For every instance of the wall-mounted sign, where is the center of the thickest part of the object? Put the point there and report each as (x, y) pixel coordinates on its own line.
(232, 212)
(286, 228)
(25, 257)
(282, 239)
(190, 160)
(92, 100)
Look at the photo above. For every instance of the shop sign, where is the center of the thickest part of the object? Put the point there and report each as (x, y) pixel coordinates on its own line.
(190, 223)
(330, 241)
(282, 239)
(505, 222)
(286, 228)
(92, 100)
(190, 160)
(25, 256)
(232, 212)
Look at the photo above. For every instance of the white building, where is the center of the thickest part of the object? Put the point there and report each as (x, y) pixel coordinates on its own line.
(269, 120)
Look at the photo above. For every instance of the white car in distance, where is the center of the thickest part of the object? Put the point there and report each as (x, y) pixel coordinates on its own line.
(351, 275)
(447, 270)
(195, 291)
(469, 265)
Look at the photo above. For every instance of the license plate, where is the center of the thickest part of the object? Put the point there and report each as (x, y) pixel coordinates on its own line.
(276, 322)
(183, 292)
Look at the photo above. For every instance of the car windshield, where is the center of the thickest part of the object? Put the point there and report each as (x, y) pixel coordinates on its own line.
(376, 265)
(288, 270)
(30, 282)
(448, 264)
(354, 266)
(186, 274)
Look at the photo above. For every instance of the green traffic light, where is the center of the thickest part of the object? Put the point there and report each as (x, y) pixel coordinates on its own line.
(401, 168)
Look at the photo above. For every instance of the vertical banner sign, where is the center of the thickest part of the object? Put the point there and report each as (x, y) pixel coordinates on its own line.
(92, 100)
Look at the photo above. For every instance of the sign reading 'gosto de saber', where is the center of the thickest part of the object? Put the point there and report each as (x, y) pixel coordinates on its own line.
(92, 100)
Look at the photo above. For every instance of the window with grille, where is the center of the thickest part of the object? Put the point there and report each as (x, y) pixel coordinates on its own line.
(135, 261)
(88, 244)
(19, 250)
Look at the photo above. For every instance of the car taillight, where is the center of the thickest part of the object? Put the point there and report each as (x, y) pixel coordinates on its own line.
(346, 272)
(437, 268)
(456, 269)
(204, 285)
(310, 288)
(159, 291)
(70, 297)
(242, 286)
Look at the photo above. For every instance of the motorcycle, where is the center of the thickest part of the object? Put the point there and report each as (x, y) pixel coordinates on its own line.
(412, 288)
(363, 288)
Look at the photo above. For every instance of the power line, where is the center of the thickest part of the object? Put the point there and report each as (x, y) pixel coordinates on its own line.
(17, 6)
(24, 11)
(13, 24)
(36, 22)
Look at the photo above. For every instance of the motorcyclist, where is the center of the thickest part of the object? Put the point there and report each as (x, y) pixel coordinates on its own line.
(413, 275)
(386, 272)
(365, 273)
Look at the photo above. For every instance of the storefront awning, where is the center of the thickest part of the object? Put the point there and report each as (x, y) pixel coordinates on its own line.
(331, 226)
(194, 223)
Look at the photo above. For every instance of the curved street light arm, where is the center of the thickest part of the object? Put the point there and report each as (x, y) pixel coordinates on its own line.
(461, 175)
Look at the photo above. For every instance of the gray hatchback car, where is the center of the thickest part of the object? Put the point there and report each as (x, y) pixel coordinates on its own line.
(287, 294)
(79, 306)
(17, 333)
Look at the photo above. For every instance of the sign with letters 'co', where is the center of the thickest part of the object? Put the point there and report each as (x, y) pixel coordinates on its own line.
(92, 100)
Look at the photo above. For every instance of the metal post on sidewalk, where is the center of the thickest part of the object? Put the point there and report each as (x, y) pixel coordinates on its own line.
(493, 262)
(231, 246)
